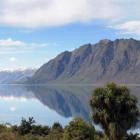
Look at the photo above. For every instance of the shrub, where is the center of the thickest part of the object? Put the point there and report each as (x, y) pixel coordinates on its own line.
(78, 129)
(26, 126)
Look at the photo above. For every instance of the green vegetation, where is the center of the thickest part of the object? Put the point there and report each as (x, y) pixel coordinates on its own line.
(78, 129)
(114, 109)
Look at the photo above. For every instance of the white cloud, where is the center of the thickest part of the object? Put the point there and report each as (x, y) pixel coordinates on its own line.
(38, 13)
(11, 46)
(130, 27)
(129, 20)
(11, 42)
(118, 14)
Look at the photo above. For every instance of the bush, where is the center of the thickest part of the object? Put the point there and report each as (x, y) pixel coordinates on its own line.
(57, 128)
(56, 132)
(78, 129)
(26, 126)
(40, 130)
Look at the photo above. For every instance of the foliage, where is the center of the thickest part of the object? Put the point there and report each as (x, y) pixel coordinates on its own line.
(56, 131)
(40, 130)
(78, 129)
(26, 126)
(57, 127)
(132, 136)
(115, 110)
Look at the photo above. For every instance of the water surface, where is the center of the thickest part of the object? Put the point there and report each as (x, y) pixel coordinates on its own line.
(48, 104)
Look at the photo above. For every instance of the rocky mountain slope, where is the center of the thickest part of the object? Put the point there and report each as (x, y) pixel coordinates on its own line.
(107, 60)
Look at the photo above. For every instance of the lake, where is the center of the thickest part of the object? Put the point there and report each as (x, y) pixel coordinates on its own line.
(48, 104)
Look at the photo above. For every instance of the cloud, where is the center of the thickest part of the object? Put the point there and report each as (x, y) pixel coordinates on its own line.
(11, 46)
(130, 27)
(122, 15)
(39, 13)
(11, 42)
(129, 20)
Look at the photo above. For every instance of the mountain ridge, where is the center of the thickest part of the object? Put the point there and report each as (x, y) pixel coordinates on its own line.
(13, 76)
(105, 61)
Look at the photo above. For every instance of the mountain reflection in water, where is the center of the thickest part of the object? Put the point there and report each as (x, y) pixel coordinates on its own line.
(47, 104)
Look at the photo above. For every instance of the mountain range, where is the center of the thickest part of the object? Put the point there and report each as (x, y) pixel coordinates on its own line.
(13, 76)
(105, 61)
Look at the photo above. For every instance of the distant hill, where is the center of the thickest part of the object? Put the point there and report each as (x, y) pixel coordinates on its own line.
(107, 60)
(11, 77)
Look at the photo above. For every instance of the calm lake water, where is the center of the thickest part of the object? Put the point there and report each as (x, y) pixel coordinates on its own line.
(47, 104)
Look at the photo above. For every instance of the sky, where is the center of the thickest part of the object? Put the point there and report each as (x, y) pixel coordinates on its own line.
(34, 31)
